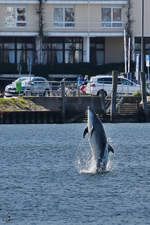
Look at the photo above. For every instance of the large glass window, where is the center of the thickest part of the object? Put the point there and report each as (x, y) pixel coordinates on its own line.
(64, 17)
(15, 16)
(106, 17)
(146, 45)
(17, 50)
(117, 17)
(97, 51)
(111, 17)
(63, 50)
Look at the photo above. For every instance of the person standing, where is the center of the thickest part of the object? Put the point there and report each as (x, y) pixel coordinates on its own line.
(85, 79)
(79, 80)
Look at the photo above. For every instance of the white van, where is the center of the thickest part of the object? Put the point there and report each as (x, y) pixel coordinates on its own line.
(103, 84)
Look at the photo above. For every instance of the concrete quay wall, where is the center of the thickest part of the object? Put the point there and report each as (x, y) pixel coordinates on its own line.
(77, 104)
(57, 110)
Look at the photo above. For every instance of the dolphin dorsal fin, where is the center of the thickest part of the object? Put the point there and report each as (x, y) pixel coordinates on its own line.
(85, 132)
(110, 148)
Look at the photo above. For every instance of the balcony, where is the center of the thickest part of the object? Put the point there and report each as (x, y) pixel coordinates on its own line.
(79, 28)
(89, 26)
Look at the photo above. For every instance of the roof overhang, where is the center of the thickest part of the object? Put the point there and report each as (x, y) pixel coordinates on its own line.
(84, 34)
(120, 2)
(18, 34)
(62, 34)
(113, 2)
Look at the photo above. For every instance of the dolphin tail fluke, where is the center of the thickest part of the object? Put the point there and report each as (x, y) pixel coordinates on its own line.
(85, 132)
(110, 148)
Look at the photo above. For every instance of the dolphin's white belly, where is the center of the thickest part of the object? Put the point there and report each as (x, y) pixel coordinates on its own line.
(96, 145)
(99, 151)
(105, 157)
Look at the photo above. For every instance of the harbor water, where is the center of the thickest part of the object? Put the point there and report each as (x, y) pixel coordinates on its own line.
(46, 176)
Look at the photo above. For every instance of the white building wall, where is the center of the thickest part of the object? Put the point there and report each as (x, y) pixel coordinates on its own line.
(87, 24)
(136, 15)
(32, 19)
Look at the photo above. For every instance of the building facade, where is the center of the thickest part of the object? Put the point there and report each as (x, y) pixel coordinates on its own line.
(63, 31)
(136, 26)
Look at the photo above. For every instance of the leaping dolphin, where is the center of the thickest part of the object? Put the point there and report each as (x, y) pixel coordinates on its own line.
(97, 140)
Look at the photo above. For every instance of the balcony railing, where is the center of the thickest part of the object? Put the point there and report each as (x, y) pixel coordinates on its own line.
(64, 24)
(84, 26)
(74, 26)
(112, 24)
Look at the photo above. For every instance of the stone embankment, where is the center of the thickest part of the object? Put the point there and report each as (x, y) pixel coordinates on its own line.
(19, 104)
(68, 110)
(47, 109)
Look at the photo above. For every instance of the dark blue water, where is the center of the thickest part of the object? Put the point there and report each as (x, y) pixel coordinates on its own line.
(41, 182)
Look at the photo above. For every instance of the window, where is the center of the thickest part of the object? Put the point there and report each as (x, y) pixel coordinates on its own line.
(106, 17)
(21, 18)
(146, 45)
(107, 80)
(111, 17)
(97, 51)
(15, 17)
(17, 50)
(126, 82)
(64, 17)
(63, 50)
(119, 81)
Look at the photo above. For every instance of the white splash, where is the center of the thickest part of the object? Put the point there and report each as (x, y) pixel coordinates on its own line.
(109, 163)
(85, 160)
(90, 166)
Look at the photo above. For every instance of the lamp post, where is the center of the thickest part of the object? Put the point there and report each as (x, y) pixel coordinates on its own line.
(142, 37)
(143, 83)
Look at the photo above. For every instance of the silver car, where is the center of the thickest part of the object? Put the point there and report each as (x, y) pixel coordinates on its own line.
(29, 86)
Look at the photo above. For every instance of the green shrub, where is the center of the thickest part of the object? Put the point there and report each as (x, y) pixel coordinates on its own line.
(138, 94)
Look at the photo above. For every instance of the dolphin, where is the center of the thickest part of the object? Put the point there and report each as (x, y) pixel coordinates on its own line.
(97, 140)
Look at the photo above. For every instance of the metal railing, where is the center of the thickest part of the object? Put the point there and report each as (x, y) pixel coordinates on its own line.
(112, 24)
(67, 88)
(53, 88)
(84, 26)
(75, 26)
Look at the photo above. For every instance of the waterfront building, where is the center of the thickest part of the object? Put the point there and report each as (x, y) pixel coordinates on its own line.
(136, 26)
(63, 31)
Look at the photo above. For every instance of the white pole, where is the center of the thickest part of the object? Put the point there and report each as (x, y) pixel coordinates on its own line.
(148, 77)
(125, 51)
(129, 52)
(138, 68)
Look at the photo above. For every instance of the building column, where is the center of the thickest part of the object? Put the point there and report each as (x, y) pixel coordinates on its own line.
(39, 54)
(86, 49)
(133, 49)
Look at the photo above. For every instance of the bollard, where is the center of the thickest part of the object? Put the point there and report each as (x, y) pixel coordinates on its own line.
(63, 101)
(113, 95)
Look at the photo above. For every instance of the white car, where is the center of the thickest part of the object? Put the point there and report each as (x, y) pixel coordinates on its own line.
(103, 84)
(10, 89)
(29, 86)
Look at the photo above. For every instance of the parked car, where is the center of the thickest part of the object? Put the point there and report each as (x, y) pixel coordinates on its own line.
(29, 86)
(103, 84)
(10, 89)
